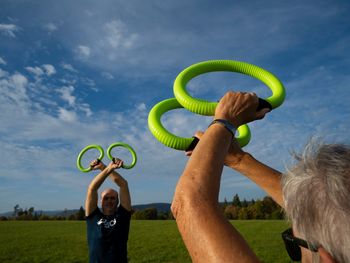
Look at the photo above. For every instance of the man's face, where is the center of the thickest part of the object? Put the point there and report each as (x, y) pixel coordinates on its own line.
(109, 201)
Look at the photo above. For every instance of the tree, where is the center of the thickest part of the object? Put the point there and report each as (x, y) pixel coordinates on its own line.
(236, 201)
(146, 214)
(256, 210)
(31, 211)
(15, 209)
(243, 213)
(80, 215)
(231, 212)
(245, 203)
(225, 204)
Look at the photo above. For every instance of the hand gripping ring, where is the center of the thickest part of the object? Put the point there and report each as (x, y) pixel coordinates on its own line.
(92, 146)
(204, 107)
(131, 150)
(176, 142)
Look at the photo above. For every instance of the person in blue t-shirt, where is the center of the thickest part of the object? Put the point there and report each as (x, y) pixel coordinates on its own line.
(108, 230)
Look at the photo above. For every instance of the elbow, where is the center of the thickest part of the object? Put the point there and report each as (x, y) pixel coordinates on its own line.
(92, 189)
(123, 183)
(188, 202)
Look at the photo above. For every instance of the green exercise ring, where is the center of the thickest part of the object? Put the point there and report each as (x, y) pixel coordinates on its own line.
(92, 146)
(176, 142)
(204, 107)
(131, 150)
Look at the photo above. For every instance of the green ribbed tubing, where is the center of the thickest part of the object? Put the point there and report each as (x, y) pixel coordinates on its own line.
(176, 142)
(204, 107)
(83, 151)
(131, 150)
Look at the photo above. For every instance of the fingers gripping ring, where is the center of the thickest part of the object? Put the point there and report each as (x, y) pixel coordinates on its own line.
(131, 150)
(176, 142)
(83, 151)
(204, 107)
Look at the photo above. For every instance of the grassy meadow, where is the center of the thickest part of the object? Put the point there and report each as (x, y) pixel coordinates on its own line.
(149, 241)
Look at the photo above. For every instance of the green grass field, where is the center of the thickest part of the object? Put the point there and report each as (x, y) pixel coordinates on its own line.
(149, 241)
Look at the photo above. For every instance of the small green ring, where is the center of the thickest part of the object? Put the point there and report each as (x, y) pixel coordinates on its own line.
(131, 150)
(92, 146)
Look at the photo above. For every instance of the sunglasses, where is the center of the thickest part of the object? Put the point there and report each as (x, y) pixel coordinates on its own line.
(293, 245)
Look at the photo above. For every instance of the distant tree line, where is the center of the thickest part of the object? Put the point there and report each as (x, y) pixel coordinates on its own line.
(236, 209)
(259, 209)
(30, 214)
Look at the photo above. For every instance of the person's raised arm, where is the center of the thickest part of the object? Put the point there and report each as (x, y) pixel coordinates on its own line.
(208, 236)
(92, 192)
(264, 176)
(124, 193)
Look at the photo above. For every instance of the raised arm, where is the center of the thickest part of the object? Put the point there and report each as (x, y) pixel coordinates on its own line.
(124, 193)
(208, 236)
(92, 192)
(264, 176)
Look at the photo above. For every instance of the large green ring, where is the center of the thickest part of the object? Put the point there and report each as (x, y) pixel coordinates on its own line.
(131, 150)
(92, 146)
(176, 142)
(204, 107)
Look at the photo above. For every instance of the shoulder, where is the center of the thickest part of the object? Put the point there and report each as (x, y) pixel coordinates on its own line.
(123, 211)
(96, 212)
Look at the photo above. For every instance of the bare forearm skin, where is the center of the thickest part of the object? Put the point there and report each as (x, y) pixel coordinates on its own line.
(264, 176)
(208, 236)
(92, 192)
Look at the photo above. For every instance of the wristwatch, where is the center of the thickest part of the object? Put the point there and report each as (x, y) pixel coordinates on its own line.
(228, 125)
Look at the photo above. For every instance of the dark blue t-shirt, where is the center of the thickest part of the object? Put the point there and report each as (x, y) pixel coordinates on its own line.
(108, 236)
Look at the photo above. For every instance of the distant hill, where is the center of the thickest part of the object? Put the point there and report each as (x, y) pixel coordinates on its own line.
(161, 207)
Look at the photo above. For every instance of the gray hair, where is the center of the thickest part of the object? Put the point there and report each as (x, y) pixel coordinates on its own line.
(317, 197)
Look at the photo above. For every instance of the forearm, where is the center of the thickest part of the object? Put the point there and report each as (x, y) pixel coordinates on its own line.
(118, 179)
(124, 193)
(99, 179)
(264, 176)
(92, 195)
(202, 173)
(208, 236)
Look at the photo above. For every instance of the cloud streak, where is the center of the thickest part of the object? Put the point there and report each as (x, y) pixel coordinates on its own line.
(9, 30)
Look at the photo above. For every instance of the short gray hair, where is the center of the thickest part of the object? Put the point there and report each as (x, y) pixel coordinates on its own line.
(316, 193)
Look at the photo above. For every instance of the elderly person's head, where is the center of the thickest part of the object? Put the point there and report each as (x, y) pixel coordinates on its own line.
(109, 201)
(317, 201)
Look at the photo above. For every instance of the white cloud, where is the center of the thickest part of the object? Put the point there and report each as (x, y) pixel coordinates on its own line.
(86, 109)
(2, 61)
(51, 27)
(66, 95)
(49, 69)
(107, 75)
(141, 107)
(37, 71)
(13, 93)
(9, 29)
(117, 35)
(68, 67)
(83, 52)
(3, 73)
(66, 115)
(44, 69)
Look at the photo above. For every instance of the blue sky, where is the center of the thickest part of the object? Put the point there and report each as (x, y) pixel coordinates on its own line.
(74, 73)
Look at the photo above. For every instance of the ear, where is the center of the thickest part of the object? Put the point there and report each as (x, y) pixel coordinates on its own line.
(325, 257)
